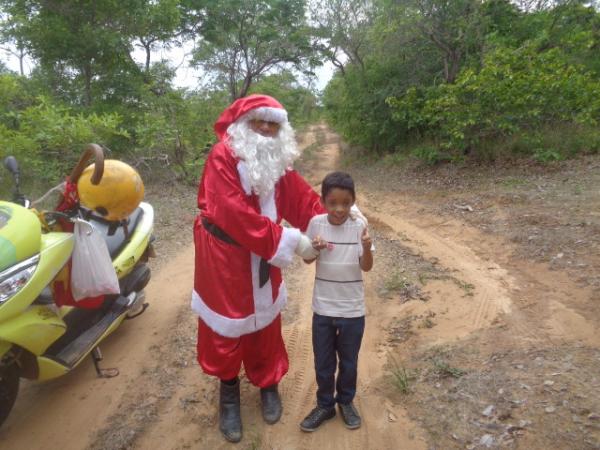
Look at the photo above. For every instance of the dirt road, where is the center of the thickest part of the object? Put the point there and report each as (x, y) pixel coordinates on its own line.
(459, 351)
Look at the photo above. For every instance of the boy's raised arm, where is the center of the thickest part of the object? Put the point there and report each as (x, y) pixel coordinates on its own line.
(366, 260)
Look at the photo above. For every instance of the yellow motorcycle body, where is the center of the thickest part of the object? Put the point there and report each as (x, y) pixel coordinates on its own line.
(38, 339)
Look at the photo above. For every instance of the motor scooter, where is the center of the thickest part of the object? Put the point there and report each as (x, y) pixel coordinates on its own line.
(44, 334)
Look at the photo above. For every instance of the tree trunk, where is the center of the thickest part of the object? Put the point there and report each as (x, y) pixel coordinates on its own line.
(147, 57)
(232, 86)
(87, 74)
(451, 66)
(245, 86)
(21, 60)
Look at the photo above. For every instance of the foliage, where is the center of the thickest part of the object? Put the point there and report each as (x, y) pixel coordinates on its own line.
(355, 105)
(437, 80)
(156, 23)
(244, 39)
(79, 42)
(452, 27)
(443, 80)
(341, 27)
(175, 130)
(299, 102)
(86, 86)
(516, 91)
(84, 48)
(48, 139)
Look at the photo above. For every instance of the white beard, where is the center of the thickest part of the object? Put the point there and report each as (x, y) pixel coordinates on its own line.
(266, 158)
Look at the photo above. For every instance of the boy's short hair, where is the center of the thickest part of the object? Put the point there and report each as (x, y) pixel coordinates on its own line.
(341, 180)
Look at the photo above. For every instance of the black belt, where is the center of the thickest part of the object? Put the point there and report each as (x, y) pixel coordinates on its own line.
(217, 232)
(264, 268)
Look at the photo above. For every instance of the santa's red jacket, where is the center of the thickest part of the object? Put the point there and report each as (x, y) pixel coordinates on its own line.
(227, 293)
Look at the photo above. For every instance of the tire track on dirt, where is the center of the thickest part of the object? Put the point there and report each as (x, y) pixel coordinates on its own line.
(489, 293)
(505, 290)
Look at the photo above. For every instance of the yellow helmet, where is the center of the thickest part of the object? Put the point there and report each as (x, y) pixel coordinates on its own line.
(117, 195)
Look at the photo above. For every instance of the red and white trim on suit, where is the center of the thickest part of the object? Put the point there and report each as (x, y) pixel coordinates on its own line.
(266, 310)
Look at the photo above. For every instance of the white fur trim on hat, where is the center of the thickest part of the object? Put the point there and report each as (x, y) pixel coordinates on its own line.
(267, 113)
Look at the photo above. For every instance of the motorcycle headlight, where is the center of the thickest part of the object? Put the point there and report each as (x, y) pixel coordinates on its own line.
(15, 277)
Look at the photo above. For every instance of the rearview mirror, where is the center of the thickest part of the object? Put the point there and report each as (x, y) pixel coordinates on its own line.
(11, 164)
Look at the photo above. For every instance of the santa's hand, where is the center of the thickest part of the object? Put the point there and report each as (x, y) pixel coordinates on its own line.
(305, 250)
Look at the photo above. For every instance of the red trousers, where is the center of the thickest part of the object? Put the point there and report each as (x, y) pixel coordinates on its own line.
(262, 352)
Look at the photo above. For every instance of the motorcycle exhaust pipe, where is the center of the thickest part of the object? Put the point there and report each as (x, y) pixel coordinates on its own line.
(136, 304)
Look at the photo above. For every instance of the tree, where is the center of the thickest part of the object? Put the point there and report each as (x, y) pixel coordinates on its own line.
(243, 39)
(453, 26)
(10, 35)
(78, 40)
(85, 46)
(156, 22)
(342, 27)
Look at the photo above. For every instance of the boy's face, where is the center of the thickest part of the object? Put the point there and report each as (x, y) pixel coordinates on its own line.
(338, 202)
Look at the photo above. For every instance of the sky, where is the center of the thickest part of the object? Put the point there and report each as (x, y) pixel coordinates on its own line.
(186, 76)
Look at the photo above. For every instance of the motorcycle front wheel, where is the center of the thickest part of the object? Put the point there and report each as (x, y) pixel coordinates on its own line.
(9, 386)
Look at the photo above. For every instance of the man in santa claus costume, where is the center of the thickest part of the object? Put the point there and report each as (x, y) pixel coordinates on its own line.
(247, 188)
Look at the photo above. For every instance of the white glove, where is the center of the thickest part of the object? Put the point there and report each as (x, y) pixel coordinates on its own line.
(304, 249)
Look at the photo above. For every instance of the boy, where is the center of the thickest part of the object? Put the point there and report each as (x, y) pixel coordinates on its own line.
(345, 249)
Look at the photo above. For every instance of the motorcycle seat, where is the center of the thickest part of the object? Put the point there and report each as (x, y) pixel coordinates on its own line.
(114, 233)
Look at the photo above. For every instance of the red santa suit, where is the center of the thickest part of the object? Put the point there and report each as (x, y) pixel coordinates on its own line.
(236, 233)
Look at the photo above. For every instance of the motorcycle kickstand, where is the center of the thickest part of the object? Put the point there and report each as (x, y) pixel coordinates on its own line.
(102, 373)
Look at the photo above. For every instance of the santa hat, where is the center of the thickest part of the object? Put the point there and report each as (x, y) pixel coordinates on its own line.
(255, 106)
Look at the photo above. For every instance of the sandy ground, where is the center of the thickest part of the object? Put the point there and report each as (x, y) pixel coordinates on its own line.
(446, 303)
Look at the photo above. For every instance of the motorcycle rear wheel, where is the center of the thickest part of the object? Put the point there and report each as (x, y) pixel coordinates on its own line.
(9, 387)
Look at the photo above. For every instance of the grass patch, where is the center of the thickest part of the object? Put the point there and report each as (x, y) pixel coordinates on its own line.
(442, 369)
(427, 323)
(402, 378)
(467, 287)
(396, 283)
(395, 159)
(513, 182)
(424, 277)
(400, 285)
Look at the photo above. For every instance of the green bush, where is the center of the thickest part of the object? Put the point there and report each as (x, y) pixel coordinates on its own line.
(430, 155)
(355, 105)
(516, 92)
(48, 138)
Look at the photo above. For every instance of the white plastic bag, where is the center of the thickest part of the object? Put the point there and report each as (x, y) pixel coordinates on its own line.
(92, 272)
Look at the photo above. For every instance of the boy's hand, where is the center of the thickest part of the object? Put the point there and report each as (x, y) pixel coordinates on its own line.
(366, 240)
(318, 243)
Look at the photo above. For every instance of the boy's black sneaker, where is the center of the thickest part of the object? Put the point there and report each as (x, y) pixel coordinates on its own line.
(350, 415)
(316, 417)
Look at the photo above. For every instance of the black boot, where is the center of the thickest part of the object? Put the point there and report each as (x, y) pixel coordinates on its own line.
(230, 420)
(271, 404)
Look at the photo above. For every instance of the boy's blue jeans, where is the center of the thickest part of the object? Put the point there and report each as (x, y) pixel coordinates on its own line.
(333, 338)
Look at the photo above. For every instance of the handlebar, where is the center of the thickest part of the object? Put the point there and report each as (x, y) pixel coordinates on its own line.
(90, 150)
